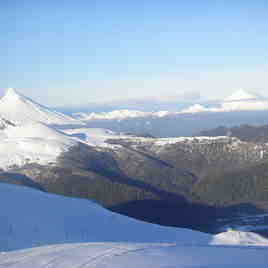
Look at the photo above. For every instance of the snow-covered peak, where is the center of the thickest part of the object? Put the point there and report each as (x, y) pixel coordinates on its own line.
(242, 95)
(196, 108)
(233, 237)
(20, 109)
(11, 93)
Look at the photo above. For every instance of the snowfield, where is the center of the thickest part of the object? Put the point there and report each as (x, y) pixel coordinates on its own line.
(94, 136)
(33, 218)
(77, 233)
(122, 255)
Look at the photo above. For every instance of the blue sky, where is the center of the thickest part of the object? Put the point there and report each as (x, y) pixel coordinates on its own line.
(72, 52)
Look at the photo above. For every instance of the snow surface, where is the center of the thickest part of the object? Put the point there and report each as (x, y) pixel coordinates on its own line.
(32, 218)
(95, 136)
(31, 143)
(239, 237)
(20, 109)
(122, 255)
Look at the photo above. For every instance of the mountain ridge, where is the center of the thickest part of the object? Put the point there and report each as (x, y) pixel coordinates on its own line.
(20, 109)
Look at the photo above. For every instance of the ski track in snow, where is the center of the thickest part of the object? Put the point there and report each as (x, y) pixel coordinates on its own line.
(33, 254)
(62, 255)
(110, 253)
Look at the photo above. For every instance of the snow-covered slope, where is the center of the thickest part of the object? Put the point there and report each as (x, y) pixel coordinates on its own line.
(20, 109)
(31, 143)
(233, 237)
(32, 218)
(96, 136)
(122, 255)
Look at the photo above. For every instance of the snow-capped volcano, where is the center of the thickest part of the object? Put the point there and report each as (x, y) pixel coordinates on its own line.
(243, 100)
(233, 237)
(20, 109)
(242, 95)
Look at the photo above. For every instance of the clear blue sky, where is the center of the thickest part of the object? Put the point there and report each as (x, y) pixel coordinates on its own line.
(71, 52)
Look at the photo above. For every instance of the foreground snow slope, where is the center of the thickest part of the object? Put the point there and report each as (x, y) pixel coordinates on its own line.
(31, 143)
(20, 109)
(106, 255)
(30, 218)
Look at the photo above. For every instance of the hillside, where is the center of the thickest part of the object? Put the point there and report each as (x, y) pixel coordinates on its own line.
(72, 220)
(249, 133)
(78, 233)
(202, 179)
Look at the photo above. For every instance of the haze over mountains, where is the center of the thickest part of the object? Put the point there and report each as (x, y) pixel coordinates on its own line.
(241, 107)
(240, 100)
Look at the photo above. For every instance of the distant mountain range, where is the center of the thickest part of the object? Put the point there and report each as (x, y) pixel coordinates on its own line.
(248, 133)
(241, 107)
(240, 100)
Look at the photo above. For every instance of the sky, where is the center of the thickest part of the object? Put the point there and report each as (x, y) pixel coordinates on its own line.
(76, 52)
